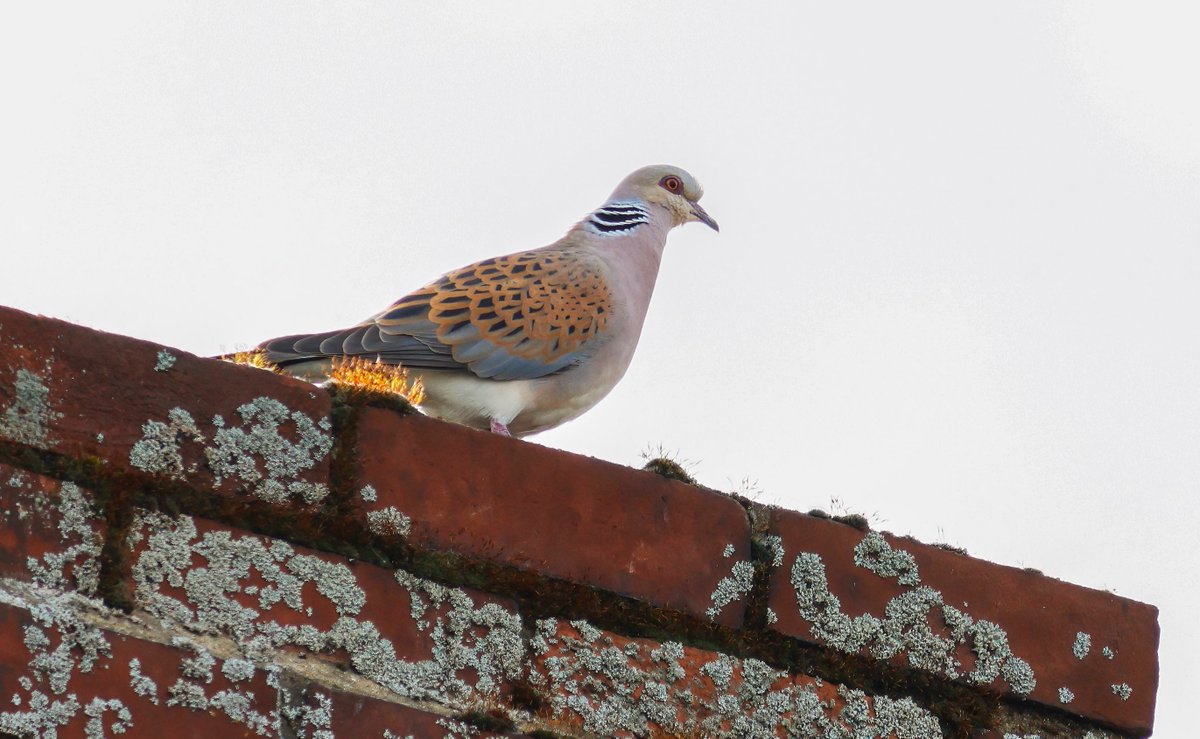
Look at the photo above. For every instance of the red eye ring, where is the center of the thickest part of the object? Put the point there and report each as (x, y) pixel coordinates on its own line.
(671, 183)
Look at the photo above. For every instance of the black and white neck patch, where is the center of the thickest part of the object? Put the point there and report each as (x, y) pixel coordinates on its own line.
(618, 218)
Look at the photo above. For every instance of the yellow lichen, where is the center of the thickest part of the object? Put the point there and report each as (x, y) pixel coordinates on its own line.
(379, 377)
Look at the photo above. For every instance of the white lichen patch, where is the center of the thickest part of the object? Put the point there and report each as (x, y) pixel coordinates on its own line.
(608, 688)
(1065, 695)
(368, 493)
(165, 361)
(310, 716)
(142, 684)
(192, 690)
(736, 585)
(916, 624)
(95, 712)
(257, 452)
(775, 545)
(159, 449)
(1108, 653)
(213, 570)
(1082, 645)
(60, 644)
(238, 670)
(77, 564)
(389, 522)
(222, 583)
(28, 417)
(457, 729)
(875, 554)
(72, 564)
(1122, 691)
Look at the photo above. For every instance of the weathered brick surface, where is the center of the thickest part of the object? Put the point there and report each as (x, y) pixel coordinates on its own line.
(310, 643)
(569, 517)
(49, 532)
(606, 684)
(62, 677)
(986, 624)
(414, 637)
(142, 407)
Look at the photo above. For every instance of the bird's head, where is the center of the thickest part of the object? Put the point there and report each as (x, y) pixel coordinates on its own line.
(669, 187)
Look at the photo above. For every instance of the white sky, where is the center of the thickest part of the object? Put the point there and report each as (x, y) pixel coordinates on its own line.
(957, 283)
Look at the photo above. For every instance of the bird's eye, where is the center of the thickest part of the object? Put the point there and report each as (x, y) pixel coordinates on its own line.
(671, 183)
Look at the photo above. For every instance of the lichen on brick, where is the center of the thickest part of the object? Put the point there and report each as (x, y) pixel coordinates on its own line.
(43, 717)
(389, 521)
(60, 644)
(215, 571)
(238, 670)
(875, 554)
(28, 418)
(607, 689)
(141, 683)
(1082, 645)
(158, 451)
(95, 712)
(1065, 695)
(1122, 691)
(209, 603)
(237, 451)
(457, 729)
(255, 453)
(164, 361)
(82, 544)
(734, 586)
(916, 624)
(197, 672)
(774, 544)
(310, 716)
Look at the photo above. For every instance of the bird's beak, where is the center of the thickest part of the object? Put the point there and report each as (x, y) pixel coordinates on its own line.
(699, 214)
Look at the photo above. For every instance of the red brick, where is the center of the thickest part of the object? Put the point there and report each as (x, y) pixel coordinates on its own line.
(562, 515)
(606, 684)
(149, 689)
(1039, 617)
(53, 523)
(81, 392)
(418, 638)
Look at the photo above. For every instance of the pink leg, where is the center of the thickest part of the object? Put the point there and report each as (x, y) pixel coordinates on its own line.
(499, 428)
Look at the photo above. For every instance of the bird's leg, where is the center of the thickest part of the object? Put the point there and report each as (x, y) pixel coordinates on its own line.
(499, 428)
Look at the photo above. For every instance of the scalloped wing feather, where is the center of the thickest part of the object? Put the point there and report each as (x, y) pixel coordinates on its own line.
(520, 316)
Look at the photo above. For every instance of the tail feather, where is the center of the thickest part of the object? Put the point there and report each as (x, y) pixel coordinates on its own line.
(366, 341)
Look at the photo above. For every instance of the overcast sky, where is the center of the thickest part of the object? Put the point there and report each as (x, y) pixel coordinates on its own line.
(957, 283)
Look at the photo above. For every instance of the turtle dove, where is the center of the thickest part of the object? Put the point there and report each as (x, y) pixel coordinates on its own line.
(522, 343)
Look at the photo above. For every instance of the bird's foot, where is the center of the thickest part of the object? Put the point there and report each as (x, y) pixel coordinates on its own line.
(499, 428)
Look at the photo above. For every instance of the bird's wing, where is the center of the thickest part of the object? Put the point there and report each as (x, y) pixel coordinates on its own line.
(521, 316)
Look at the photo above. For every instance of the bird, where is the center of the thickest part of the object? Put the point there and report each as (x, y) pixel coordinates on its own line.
(522, 343)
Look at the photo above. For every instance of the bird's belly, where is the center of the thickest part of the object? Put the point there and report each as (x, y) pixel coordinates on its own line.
(525, 406)
(473, 401)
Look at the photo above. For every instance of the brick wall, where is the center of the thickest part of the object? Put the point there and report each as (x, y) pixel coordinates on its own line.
(194, 548)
